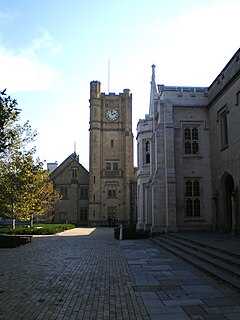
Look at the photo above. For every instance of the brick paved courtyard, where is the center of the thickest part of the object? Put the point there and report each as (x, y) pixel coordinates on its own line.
(68, 277)
(86, 274)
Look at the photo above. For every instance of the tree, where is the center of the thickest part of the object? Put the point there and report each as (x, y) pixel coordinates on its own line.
(9, 114)
(25, 188)
(40, 196)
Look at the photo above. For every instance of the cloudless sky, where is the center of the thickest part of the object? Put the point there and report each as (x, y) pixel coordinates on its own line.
(50, 51)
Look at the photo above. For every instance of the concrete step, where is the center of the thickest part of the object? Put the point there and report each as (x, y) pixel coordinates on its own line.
(220, 259)
(231, 256)
(221, 271)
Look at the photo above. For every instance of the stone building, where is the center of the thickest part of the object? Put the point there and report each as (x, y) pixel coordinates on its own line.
(72, 180)
(111, 171)
(189, 156)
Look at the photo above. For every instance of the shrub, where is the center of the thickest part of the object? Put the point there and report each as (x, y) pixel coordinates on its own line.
(38, 229)
(130, 233)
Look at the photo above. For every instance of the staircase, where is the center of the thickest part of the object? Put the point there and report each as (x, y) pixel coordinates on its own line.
(222, 265)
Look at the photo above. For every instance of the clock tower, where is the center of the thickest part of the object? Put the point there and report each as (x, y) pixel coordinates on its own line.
(111, 171)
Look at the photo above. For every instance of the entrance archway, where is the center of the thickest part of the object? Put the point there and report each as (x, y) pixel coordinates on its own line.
(227, 214)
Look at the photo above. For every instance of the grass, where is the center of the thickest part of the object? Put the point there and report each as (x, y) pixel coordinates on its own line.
(37, 229)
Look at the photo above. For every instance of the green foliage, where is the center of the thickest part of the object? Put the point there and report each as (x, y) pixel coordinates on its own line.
(38, 229)
(9, 114)
(130, 233)
(25, 188)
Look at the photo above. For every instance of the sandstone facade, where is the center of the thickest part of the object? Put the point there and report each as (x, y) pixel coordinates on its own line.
(72, 180)
(189, 158)
(111, 171)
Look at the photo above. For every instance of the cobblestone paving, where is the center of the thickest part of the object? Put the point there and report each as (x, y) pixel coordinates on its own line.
(68, 276)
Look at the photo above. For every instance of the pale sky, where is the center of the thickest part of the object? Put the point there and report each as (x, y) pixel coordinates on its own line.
(50, 51)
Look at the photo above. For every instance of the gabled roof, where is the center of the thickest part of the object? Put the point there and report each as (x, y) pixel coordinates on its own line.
(69, 161)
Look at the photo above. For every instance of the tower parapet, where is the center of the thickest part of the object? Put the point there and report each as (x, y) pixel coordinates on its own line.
(95, 89)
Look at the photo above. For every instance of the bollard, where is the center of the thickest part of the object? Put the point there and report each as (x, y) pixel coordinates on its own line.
(121, 232)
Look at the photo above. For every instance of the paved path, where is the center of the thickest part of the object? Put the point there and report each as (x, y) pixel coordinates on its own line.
(86, 274)
(79, 274)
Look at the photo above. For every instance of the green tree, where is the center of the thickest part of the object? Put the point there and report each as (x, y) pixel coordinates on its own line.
(25, 188)
(9, 114)
(40, 196)
(16, 169)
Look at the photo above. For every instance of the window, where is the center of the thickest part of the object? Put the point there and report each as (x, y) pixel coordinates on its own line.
(64, 192)
(115, 165)
(112, 143)
(192, 197)
(224, 129)
(146, 152)
(74, 173)
(108, 166)
(84, 192)
(83, 214)
(191, 140)
(237, 98)
(111, 192)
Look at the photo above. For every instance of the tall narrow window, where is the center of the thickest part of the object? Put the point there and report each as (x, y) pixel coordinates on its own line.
(74, 173)
(237, 98)
(224, 129)
(64, 192)
(108, 165)
(112, 143)
(111, 191)
(115, 166)
(84, 192)
(146, 152)
(192, 197)
(191, 140)
(83, 214)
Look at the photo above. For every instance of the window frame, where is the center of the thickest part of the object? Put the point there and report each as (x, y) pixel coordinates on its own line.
(83, 212)
(146, 152)
(224, 128)
(83, 192)
(192, 198)
(111, 191)
(63, 189)
(191, 139)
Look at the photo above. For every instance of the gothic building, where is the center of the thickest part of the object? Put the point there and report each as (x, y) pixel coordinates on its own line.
(71, 179)
(108, 189)
(189, 156)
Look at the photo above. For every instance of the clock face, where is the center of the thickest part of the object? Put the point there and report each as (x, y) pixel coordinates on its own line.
(112, 115)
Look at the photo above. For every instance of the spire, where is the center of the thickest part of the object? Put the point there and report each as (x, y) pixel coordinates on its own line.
(152, 92)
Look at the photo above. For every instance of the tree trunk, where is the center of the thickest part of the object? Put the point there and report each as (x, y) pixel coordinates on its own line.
(31, 220)
(13, 217)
